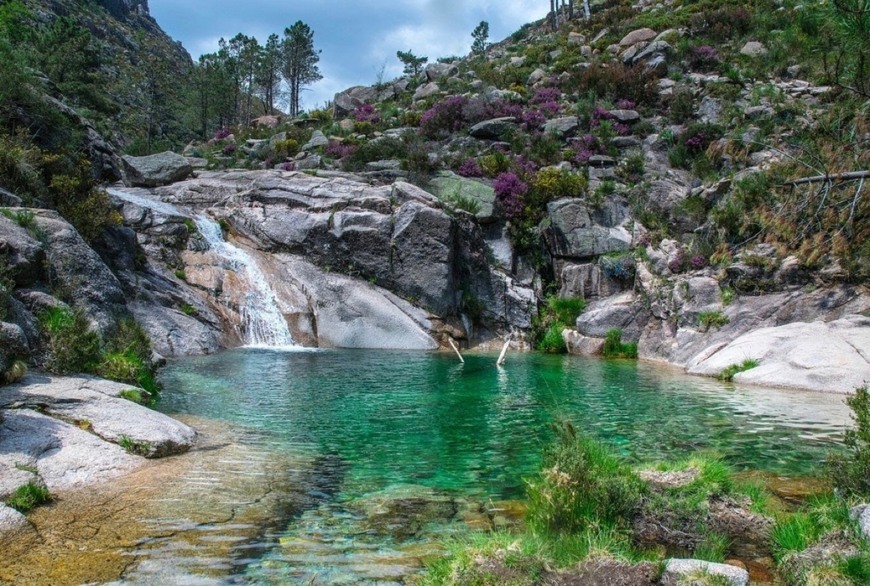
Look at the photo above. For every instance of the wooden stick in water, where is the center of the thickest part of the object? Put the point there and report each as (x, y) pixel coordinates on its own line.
(455, 349)
(504, 350)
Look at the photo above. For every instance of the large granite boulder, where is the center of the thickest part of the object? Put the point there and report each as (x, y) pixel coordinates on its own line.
(156, 170)
(580, 230)
(447, 186)
(99, 404)
(494, 129)
(23, 254)
(818, 356)
(79, 273)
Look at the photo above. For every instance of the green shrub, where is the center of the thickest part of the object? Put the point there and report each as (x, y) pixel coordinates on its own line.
(552, 342)
(582, 485)
(712, 319)
(127, 357)
(551, 183)
(728, 373)
(850, 473)
(134, 395)
(188, 309)
(614, 347)
(16, 371)
(140, 448)
(73, 345)
(27, 497)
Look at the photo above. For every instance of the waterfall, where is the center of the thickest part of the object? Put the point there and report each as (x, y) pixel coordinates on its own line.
(262, 321)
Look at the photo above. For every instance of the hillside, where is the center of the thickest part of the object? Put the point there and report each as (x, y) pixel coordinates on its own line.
(660, 181)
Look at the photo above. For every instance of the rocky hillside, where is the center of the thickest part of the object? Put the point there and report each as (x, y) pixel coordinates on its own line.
(682, 182)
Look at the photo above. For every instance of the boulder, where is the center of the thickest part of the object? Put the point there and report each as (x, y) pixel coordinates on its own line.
(754, 49)
(155, 170)
(586, 281)
(80, 273)
(23, 253)
(447, 185)
(346, 102)
(318, 139)
(562, 127)
(861, 515)
(426, 90)
(11, 520)
(64, 455)
(578, 230)
(9, 200)
(98, 405)
(626, 116)
(623, 312)
(636, 36)
(827, 357)
(580, 345)
(436, 71)
(679, 571)
(493, 129)
(536, 76)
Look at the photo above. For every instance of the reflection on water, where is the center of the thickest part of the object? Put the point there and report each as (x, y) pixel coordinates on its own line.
(413, 429)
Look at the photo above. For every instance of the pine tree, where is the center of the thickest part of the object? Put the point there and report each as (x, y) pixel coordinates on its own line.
(481, 37)
(300, 61)
(269, 72)
(413, 64)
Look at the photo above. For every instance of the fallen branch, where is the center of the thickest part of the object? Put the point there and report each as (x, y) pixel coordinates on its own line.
(851, 176)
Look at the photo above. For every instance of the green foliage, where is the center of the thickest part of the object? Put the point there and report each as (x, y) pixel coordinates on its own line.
(582, 486)
(614, 347)
(72, 344)
(713, 549)
(27, 497)
(188, 309)
(550, 184)
(127, 357)
(24, 218)
(412, 63)
(494, 164)
(134, 395)
(376, 150)
(139, 448)
(480, 36)
(712, 319)
(463, 202)
(797, 531)
(558, 313)
(728, 373)
(850, 473)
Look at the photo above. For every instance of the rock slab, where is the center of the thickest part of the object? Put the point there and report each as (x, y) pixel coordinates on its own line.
(677, 570)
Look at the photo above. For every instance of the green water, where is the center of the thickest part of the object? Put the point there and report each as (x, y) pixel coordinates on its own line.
(476, 430)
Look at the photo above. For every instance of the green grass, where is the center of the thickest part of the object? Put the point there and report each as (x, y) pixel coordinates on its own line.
(712, 319)
(73, 345)
(140, 448)
(797, 531)
(614, 347)
(729, 373)
(27, 497)
(713, 549)
(188, 309)
(26, 468)
(134, 395)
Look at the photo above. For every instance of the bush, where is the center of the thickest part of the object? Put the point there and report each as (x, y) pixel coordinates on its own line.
(128, 357)
(712, 319)
(27, 497)
(850, 473)
(616, 81)
(551, 184)
(72, 344)
(559, 313)
(553, 342)
(582, 485)
(510, 192)
(444, 118)
(615, 348)
(728, 373)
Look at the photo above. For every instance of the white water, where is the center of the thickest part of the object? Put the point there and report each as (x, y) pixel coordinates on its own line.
(262, 323)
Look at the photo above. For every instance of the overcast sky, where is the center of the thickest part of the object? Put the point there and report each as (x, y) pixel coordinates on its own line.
(357, 37)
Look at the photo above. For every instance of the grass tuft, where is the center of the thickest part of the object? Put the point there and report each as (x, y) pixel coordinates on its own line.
(27, 497)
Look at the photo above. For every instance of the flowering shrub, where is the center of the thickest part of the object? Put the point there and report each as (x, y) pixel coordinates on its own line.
(599, 114)
(509, 193)
(288, 166)
(338, 150)
(584, 148)
(222, 134)
(626, 104)
(698, 262)
(532, 120)
(622, 129)
(229, 149)
(444, 117)
(678, 263)
(546, 94)
(367, 113)
(470, 168)
(703, 57)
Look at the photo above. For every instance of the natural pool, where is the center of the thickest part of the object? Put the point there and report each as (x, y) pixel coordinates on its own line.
(397, 433)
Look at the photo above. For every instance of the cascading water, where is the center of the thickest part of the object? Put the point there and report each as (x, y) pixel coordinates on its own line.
(262, 323)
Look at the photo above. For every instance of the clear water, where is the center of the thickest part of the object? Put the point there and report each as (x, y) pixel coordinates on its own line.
(473, 429)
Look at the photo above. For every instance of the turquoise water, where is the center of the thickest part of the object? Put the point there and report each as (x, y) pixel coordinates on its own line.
(402, 418)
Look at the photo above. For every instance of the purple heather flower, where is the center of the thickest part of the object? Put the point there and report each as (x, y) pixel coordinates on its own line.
(509, 192)
(470, 168)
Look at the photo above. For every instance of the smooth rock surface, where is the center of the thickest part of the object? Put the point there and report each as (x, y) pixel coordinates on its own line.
(818, 356)
(97, 404)
(11, 520)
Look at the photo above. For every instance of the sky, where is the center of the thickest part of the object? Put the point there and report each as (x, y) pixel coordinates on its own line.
(358, 39)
